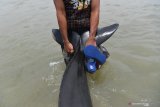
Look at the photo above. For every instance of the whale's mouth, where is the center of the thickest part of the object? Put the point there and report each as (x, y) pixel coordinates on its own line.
(74, 91)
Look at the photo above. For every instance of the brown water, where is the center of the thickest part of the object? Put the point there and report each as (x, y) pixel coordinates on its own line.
(31, 64)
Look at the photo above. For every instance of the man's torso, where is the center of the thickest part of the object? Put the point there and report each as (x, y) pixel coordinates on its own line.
(78, 13)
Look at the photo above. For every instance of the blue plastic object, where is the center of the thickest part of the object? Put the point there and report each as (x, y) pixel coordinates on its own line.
(91, 51)
(91, 65)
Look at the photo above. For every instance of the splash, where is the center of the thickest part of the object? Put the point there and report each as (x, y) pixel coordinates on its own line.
(52, 64)
(138, 104)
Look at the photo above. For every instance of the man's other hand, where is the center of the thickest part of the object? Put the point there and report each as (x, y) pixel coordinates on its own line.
(68, 47)
(91, 41)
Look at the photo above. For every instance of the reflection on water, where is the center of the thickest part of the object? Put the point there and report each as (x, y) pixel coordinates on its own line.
(30, 77)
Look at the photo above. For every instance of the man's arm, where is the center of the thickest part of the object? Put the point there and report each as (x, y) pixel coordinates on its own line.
(94, 20)
(62, 21)
(61, 17)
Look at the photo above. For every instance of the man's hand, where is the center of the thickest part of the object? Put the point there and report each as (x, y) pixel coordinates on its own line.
(68, 47)
(91, 41)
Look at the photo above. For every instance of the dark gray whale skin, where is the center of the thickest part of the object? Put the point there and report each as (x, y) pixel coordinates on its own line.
(74, 90)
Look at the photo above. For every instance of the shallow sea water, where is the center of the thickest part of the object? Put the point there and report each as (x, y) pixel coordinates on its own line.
(31, 63)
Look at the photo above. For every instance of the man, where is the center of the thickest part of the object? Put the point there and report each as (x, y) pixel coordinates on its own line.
(79, 16)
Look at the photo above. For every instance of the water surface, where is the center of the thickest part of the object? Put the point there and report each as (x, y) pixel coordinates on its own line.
(31, 64)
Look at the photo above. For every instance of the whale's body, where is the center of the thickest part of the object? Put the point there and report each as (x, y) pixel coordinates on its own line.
(74, 91)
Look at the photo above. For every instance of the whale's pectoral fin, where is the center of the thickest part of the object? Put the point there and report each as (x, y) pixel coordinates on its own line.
(73, 38)
(105, 33)
(57, 36)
